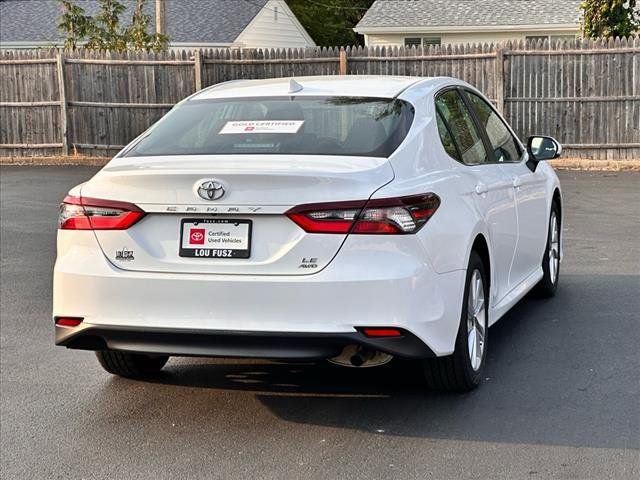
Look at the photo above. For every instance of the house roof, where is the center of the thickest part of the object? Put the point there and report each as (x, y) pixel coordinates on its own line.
(409, 14)
(187, 21)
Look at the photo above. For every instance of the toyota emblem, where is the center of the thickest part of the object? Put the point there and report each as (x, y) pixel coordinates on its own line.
(210, 190)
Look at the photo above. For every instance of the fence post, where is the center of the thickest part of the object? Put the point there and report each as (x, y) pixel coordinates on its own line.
(63, 102)
(499, 78)
(197, 69)
(343, 62)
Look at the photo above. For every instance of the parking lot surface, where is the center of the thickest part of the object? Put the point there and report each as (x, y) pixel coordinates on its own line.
(560, 399)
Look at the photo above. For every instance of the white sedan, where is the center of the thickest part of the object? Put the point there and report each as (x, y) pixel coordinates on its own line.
(347, 218)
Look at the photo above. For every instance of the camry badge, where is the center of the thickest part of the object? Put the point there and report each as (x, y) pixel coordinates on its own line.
(210, 190)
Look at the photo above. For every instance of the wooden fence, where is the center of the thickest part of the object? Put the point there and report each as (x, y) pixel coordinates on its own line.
(585, 93)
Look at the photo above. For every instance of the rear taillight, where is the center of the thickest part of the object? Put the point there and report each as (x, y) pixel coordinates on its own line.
(81, 213)
(380, 216)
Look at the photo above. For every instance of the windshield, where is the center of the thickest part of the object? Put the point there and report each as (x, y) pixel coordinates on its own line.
(280, 125)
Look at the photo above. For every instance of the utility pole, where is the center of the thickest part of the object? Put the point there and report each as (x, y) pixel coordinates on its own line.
(161, 28)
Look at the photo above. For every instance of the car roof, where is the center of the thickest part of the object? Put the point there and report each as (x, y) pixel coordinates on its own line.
(380, 86)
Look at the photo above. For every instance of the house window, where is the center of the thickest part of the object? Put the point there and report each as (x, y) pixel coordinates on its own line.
(424, 41)
(562, 38)
(431, 41)
(537, 38)
(553, 39)
(412, 41)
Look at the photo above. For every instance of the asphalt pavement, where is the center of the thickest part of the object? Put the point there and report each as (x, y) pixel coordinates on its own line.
(561, 397)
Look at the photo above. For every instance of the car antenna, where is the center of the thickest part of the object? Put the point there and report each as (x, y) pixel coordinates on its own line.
(294, 86)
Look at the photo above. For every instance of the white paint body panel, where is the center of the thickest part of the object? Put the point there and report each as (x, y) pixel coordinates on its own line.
(259, 188)
(415, 281)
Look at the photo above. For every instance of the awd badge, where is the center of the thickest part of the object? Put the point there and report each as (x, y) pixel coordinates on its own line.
(124, 255)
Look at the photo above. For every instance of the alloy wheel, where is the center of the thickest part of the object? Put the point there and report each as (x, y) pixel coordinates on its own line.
(476, 320)
(554, 248)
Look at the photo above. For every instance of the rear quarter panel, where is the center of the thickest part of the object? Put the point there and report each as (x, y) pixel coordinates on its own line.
(422, 165)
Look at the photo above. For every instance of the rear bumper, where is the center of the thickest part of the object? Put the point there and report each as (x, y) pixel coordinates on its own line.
(271, 345)
(392, 285)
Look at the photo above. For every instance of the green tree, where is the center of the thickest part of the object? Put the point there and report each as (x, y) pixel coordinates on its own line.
(104, 31)
(137, 36)
(330, 22)
(609, 18)
(74, 24)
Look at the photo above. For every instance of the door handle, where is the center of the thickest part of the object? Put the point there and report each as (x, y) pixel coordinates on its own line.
(481, 188)
(517, 182)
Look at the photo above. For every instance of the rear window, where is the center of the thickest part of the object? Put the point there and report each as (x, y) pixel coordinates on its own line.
(280, 125)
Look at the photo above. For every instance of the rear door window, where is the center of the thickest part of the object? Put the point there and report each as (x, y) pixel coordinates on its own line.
(446, 138)
(504, 145)
(461, 129)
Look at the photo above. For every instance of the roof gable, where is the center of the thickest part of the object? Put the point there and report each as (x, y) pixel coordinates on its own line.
(471, 13)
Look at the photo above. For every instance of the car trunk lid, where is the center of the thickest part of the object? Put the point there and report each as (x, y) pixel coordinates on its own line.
(258, 190)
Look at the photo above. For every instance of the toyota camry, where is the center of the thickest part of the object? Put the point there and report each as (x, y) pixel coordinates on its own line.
(348, 218)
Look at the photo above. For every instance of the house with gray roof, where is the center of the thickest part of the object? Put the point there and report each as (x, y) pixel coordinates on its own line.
(429, 22)
(188, 23)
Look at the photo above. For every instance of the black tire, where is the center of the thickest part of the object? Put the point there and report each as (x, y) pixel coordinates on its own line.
(454, 373)
(548, 285)
(131, 365)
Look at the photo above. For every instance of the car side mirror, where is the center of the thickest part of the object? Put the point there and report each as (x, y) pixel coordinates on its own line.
(543, 148)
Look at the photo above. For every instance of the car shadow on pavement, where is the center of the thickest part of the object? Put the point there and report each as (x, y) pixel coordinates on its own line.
(544, 381)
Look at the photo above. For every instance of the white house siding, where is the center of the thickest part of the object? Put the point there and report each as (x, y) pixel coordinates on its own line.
(271, 30)
(397, 39)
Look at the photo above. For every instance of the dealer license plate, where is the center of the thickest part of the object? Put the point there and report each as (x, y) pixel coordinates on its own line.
(215, 238)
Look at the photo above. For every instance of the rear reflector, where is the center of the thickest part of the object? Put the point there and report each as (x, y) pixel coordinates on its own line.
(68, 321)
(381, 332)
(399, 215)
(82, 213)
